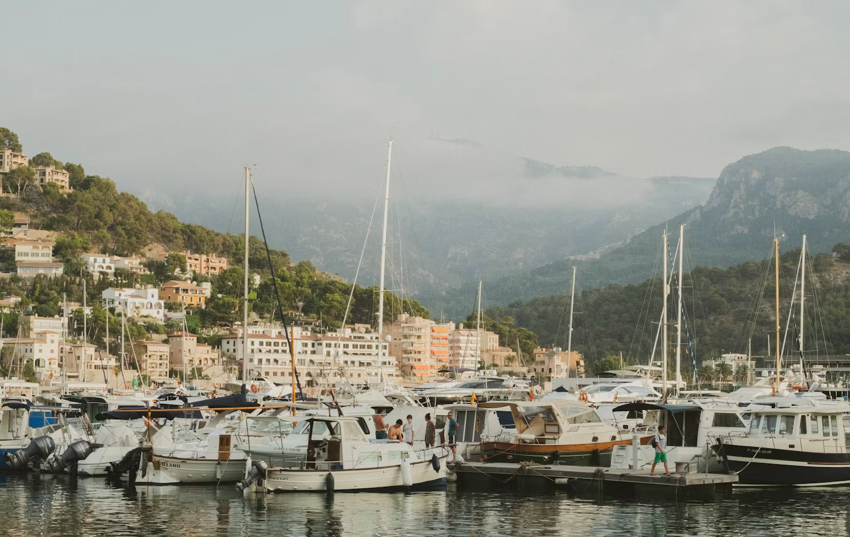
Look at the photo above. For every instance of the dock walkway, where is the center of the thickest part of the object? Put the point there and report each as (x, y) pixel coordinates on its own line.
(619, 481)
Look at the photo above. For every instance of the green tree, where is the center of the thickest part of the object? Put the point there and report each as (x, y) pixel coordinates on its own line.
(7, 220)
(76, 174)
(724, 372)
(176, 262)
(29, 372)
(608, 363)
(742, 374)
(21, 178)
(71, 245)
(44, 159)
(9, 140)
(706, 374)
(842, 250)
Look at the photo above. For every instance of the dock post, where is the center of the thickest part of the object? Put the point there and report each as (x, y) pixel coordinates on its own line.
(635, 448)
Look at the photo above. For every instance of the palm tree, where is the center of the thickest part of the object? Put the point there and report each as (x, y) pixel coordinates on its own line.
(742, 373)
(706, 374)
(724, 371)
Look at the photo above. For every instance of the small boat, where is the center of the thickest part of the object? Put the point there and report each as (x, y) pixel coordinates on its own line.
(345, 460)
(800, 443)
(555, 430)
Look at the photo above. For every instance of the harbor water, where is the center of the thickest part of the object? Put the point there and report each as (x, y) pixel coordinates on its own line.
(55, 506)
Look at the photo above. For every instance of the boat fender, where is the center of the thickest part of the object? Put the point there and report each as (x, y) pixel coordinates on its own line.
(435, 463)
(254, 388)
(329, 482)
(406, 473)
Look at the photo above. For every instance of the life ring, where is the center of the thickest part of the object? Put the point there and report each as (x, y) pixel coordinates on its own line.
(254, 388)
(435, 463)
(582, 396)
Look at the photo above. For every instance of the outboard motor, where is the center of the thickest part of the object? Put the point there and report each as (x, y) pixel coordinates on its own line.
(38, 449)
(258, 471)
(78, 451)
(129, 463)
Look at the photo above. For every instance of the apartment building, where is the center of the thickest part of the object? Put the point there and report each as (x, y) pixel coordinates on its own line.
(35, 268)
(184, 350)
(420, 345)
(349, 352)
(33, 251)
(183, 292)
(98, 264)
(155, 361)
(50, 174)
(208, 265)
(9, 160)
(553, 363)
(136, 303)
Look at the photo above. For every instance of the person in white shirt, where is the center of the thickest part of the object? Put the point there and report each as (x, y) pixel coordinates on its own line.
(660, 451)
(407, 430)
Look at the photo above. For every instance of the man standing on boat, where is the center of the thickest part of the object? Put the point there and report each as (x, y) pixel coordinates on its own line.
(430, 432)
(408, 431)
(380, 425)
(395, 431)
(660, 444)
(452, 435)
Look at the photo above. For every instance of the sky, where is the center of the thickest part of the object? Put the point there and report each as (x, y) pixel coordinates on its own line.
(176, 97)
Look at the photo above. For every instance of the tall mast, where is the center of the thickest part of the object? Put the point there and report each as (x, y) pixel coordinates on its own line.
(121, 358)
(570, 332)
(802, 297)
(778, 346)
(384, 255)
(478, 331)
(107, 330)
(245, 268)
(292, 362)
(679, 323)
(85, 326)
(664, 319)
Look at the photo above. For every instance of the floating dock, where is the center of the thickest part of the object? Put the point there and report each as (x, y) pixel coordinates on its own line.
(598, 482)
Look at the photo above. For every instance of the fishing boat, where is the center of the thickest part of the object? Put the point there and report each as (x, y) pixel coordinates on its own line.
(345, 460)
(557, 430)
(800, 443)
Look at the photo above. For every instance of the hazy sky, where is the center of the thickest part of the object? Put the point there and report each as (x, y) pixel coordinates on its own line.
(178, 95)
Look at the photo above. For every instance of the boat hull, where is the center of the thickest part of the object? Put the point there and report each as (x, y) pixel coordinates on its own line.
(174, 471)
(385, 478)
(785, 467)
(595, 454)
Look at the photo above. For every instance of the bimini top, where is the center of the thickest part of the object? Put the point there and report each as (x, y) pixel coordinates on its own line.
(673, 409)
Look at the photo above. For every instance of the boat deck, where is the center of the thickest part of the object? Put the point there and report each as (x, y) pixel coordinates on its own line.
(599, 480)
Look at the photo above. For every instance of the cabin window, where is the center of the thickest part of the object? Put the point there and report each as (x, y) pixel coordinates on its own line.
(825, 423)
(754, 424)
(351, 430)
(768, 424)
(814, 424)
(834, 425)
(803, 420)
(726, 419)
(362, 423)
(786, 425)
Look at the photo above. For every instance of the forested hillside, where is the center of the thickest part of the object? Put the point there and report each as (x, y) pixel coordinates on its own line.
(96, 217)
(724, 307)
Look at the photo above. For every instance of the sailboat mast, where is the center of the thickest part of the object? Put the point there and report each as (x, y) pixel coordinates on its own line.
(85, 336)
(664, 319)
(384, 255)
(802, 296)
(776, 256)
(679, 322)
(570, 333)
(245, 268)
(478, 330)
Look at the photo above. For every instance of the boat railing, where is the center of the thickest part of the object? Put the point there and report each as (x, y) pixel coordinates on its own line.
(365, 457)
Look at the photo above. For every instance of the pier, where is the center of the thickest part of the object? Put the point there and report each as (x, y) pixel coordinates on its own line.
(637, 484)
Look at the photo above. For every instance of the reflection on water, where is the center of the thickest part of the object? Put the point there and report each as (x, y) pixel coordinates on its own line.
(52, 506)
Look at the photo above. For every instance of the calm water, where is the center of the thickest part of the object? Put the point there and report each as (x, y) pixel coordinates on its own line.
(50, 506)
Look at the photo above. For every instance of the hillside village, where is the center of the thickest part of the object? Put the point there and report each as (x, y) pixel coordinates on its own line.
(96, 288)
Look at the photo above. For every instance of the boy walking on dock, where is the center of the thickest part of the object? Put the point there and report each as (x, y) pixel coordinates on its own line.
(660, 444)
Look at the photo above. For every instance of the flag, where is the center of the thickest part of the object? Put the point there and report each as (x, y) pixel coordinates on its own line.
(531, 394)
(474, 399)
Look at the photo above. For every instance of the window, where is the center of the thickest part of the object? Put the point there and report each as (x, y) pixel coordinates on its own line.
(786, 425)
(768, 424)
(834, 421)
(825, 423)
(803, 420)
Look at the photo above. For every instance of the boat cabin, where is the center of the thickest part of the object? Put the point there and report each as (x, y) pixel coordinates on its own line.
(692, 424)
(341, 444)
(555, 421)
(803, 428)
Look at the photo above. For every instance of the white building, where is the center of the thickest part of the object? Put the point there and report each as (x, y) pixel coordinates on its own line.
(9, 160)
(99, 264)
(132, 264)
(33, 269)
(136, 303)
(345, 353)
(33, 251)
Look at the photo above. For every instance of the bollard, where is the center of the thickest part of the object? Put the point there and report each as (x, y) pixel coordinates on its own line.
(635, 448)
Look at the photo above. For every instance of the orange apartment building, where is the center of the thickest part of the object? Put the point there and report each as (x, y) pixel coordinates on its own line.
(184, 293)
(208, 265)
(421, 346)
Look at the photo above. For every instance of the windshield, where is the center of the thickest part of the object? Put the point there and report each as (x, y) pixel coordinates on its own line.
(475, 384)
(320, 428)
(599, 388)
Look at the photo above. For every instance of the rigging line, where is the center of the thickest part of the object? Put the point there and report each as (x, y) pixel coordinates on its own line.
(362, 252)
(647, 296)
(276, 292)
(235, 205)
(404, 196)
